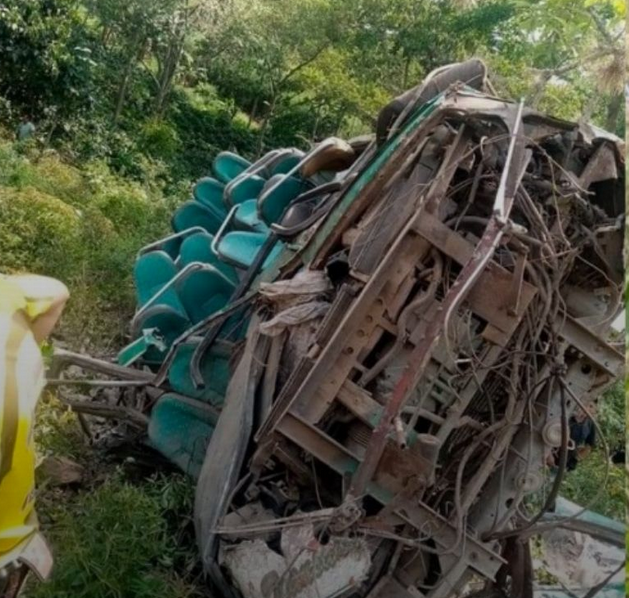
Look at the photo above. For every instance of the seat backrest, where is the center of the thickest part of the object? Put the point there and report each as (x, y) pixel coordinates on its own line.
(151, 272)
(192, 213)
(198, 248)
(332, 154)
(246, 186)
(228, 166)
(214, 369)
(209, 192)
(204, 292)
(279, 191)
(285, 161)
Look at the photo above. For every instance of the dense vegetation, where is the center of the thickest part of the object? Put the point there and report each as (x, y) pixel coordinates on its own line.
(131, 100)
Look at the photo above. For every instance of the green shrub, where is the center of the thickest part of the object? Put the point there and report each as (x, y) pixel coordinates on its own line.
(38, 232)
(45, 172)
(584, 483)
(159, 139)
(57, 431)
(85, 228)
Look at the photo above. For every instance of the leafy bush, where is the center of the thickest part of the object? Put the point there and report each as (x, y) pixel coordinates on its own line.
(38, 232)
(204, 130)
(83, 227)
(57, 431)
(159, 139)
(584, 483)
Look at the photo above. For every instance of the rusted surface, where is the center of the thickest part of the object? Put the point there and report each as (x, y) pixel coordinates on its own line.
(471, 362)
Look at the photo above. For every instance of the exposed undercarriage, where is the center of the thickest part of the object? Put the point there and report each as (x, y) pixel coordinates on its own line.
(412, 361)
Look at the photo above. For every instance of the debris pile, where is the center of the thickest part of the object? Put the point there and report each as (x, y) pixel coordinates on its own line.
(412, 357)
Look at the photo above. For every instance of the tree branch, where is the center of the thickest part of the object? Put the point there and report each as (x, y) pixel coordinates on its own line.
(150, 72)
(300, 66)
(562, 70)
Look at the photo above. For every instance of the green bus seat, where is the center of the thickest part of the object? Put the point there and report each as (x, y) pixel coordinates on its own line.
(192, 213)
(204, 292)
(198, 248)
(151, 272)
(240, 249)
(246, 217)
(180, 429)
(209, 193)
(286, 162)
(214, 368)
(227, 166)
(166, 321)
(243, 188)
(278, 193)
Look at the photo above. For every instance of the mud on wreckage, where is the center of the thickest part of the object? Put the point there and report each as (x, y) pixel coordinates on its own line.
(365, 353)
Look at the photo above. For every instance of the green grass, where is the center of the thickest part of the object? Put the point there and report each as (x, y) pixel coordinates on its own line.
(583, 485)
(112, 538)
(118, 540)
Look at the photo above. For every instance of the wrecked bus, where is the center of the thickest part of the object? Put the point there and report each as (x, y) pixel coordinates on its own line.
(366, 353)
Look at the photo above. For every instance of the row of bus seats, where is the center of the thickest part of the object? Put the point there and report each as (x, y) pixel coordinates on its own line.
(190, 275)
(243, 211)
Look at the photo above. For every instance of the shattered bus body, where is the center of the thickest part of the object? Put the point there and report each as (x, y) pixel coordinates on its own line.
(406, 356)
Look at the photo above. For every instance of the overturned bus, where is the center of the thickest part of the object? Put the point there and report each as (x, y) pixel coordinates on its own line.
(367, 353)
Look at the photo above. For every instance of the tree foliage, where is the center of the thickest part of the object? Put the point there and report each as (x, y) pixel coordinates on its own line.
(121, 80)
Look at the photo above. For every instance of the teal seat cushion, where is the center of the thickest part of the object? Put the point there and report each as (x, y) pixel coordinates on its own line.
(204, 292)
(198, 248)
(209, 192)
(241, 248)
(228, 166)
(192, 213)
(180, 429)
(274, 201)
(151, 272)
(245, 187)
(214, 370)
(247, 216)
